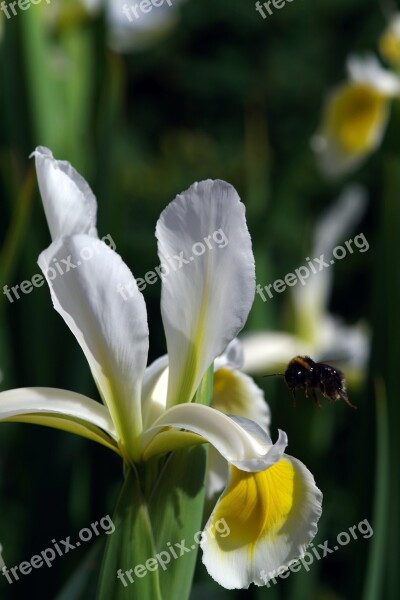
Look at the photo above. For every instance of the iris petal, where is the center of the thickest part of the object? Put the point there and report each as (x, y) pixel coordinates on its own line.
(268, 520)
(110, 328)
(68, 201)
(201, 235)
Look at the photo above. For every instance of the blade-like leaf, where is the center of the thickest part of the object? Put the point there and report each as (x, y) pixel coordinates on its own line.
(130, 545)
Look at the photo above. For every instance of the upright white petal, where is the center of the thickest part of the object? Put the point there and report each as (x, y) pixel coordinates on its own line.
(99, 300)
(206, 300)
(68, 201)
(333, 228)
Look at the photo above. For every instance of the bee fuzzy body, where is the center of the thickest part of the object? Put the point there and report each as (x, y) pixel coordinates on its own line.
(304, 373)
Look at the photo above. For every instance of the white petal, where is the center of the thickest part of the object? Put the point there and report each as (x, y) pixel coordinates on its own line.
(127, 32)
(261, 523)
(205, 302)
(340, 220)
(333, 162)
(68, 201)
(100, 302)
(240, 441)
(217, 473)
(65, 410)
(154, 391)
(268, 352)
(234, 393)
(333, 228)
(232, 356)
(367, 69)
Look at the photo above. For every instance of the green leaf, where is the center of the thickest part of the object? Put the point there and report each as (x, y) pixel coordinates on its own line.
(376, 564)
(176, 508)
(130, 545)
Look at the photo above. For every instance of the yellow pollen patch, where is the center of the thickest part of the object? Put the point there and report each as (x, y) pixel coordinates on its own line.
(229, 393)
(354, 117)
(255, 505)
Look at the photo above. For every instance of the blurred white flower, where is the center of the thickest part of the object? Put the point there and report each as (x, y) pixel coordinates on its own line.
(354, 116)
(318, 333)
(134, 24)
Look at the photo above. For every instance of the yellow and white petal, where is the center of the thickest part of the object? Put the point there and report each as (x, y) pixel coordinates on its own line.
(234, 393)
(68, 201)
(61, 409)
(240, 441)
(354, 121)
(368, 70)
(99, 300)
(202, 310)
(262, 522)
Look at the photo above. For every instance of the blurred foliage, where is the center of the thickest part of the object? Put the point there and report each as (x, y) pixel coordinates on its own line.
(226, 95)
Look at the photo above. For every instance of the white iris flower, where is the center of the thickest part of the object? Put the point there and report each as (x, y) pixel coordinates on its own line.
(271, 502)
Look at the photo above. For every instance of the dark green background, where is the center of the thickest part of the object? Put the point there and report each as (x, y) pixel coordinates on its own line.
(224, 94)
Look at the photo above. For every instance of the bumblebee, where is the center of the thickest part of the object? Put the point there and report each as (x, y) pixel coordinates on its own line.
(302, 372)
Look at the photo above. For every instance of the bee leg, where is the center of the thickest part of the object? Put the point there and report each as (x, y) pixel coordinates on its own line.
(315, 398)
(306, 391)
(294, 396)
(323, 391)
(346, 399)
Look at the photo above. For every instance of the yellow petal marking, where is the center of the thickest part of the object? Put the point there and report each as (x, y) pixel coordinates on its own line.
(354, 117)
(255, 505)
(229, 393)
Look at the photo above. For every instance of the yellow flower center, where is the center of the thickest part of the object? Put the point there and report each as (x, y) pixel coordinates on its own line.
(355, 117)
